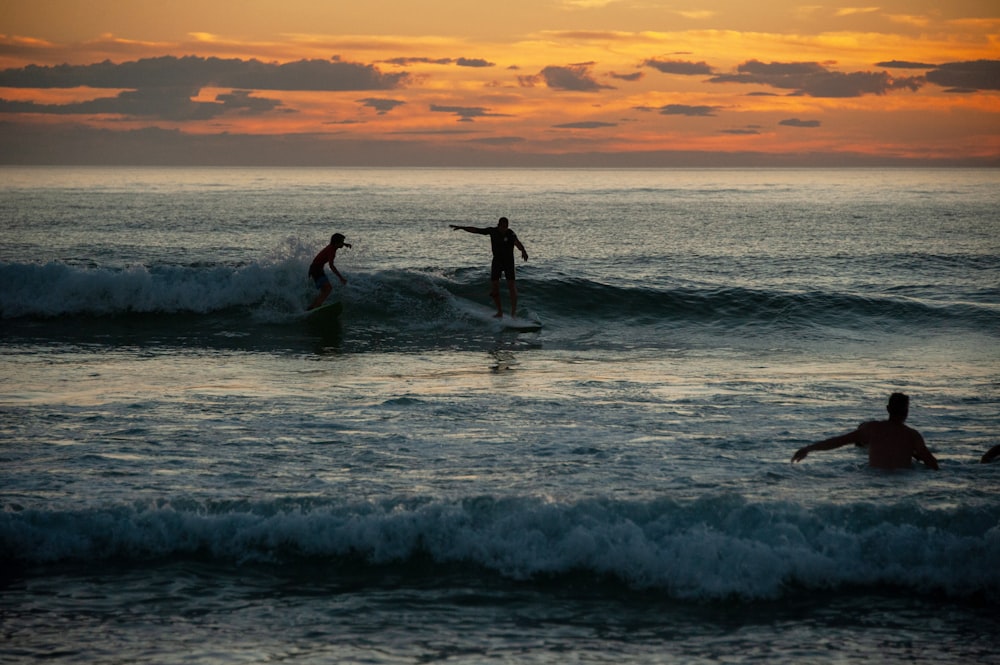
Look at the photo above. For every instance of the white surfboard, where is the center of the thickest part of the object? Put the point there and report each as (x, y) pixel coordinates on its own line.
(488, 315)
(325, 312)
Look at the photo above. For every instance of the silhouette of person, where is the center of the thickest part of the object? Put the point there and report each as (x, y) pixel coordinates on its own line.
(503, 240)
(891, 444)
(318, 275)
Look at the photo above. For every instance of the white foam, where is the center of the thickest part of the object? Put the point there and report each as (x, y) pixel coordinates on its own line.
(710, 550)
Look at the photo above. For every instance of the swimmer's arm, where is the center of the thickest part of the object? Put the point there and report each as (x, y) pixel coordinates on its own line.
(470, 229)
(921, 452)
(829, 444)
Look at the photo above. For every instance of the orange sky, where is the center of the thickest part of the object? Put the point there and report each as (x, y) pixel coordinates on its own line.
(531, 82)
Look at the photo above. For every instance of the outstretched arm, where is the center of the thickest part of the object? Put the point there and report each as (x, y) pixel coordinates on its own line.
(828, 444)
(470, 229)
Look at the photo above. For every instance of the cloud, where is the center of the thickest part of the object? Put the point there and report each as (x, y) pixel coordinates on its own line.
(815, 80)
(403, 61)
(904, 64)
(586, 125)
(747, 131)
(795, 122)
(162, 103)
(587, 4)
(71, 144)
(434, 132)
(474, 62)
(577, 36)
(975, 75)
(910, 20)
(697, 14)
(197, 72)
(498, 140)
(679, 67)
(381, 106)
(851, 11)
(466, 113)
(682, 109)
(164, 88)
(461, 62)
(636, 76)
(245, 102)
(575, 78)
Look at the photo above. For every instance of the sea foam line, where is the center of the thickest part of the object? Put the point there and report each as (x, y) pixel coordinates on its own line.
(712, 549)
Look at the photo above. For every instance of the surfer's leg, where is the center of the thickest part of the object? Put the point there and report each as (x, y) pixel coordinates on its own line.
(495, 294)
(512, 287)
(324, 291)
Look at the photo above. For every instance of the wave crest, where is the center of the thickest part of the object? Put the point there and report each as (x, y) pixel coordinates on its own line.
(717, 548)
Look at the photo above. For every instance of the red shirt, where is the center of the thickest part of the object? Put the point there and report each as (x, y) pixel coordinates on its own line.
(326, 255)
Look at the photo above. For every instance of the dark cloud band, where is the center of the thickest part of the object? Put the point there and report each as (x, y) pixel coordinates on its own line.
(197, 72)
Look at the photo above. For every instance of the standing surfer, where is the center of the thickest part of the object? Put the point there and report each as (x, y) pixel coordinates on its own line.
(502, 241)
(318, 275)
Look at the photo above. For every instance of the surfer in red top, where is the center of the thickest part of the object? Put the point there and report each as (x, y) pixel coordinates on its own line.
(318, 275)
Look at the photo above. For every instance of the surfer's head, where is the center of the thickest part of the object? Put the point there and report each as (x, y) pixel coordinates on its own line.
(337, 239)
(502, 224)
(899, 406)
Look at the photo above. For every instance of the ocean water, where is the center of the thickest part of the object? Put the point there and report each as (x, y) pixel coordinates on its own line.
(191, 471)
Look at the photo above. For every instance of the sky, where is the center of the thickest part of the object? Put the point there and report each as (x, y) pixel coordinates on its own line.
(539, 83)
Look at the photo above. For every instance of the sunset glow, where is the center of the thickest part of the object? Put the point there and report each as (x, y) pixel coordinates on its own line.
(539, 82)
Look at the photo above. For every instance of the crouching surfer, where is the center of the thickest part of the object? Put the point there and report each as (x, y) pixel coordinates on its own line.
(318, 274)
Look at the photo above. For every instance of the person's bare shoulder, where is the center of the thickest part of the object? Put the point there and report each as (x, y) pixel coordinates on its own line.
(914, 435)
(867, 430)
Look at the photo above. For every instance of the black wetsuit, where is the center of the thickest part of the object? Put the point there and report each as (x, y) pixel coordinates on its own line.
(503, 242)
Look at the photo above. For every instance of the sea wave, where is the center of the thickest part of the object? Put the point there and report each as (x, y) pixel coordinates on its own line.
(276, 292)
(715, 548)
